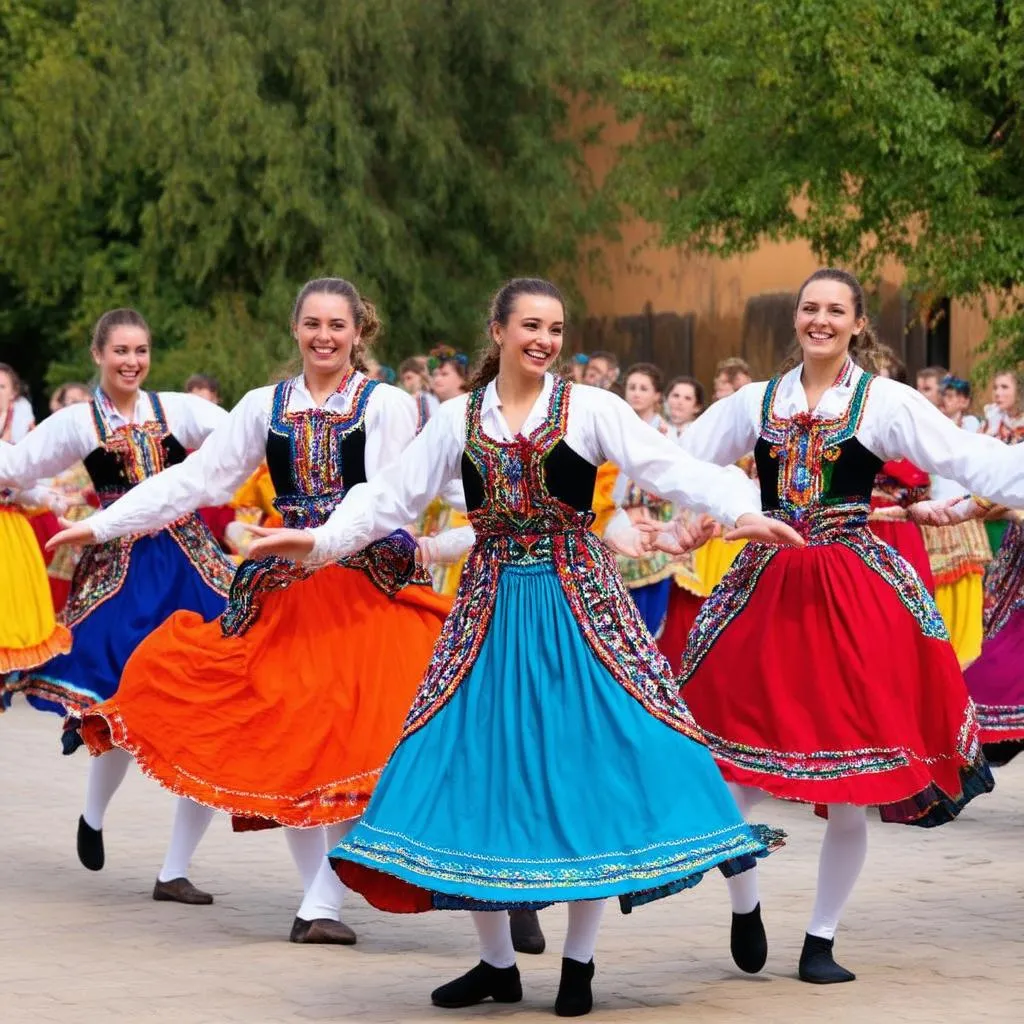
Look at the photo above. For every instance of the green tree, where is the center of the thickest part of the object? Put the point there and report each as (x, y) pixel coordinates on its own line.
(200, 159)
(874, 129)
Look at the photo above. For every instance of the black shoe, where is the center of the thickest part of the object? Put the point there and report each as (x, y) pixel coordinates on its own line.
(817, 964)
(90, 846)
(748, 942)
(575, 997)
(526, 934)
(501, 984)
(71, 737)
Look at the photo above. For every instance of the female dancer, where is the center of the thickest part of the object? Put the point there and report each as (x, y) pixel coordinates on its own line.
(855, 698)
(545, 703)
(122, 590)
(648, 579)
(29, 633)
(284, 711)
(1004, 419)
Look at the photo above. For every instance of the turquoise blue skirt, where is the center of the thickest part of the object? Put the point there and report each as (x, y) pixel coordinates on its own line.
(543, 780)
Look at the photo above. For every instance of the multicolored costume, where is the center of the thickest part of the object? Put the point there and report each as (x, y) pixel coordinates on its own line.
(545, 703)
(901, 484)
(855, 695)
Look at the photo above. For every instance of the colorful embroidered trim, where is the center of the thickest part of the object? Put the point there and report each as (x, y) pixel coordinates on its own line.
(1004, 581)
(1001, 721)
(520, 523)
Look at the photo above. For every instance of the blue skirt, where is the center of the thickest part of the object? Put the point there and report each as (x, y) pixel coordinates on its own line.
(651, 602)
(160, 580)
(542, 780)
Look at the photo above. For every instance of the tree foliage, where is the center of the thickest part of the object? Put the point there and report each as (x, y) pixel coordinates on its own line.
(200, 159)
(874, 129)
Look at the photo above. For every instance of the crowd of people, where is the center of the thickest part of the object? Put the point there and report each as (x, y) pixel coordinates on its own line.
(435, 622)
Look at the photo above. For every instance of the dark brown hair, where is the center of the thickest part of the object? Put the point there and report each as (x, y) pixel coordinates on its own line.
(883, 360)
(364, 313)
(698, 389)
(15, 379)
(111, 320)
(502, 304)
(652, 372)
(204, 382)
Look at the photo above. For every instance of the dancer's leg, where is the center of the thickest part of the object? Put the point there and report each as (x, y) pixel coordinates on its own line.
(106, 773)
(308, 850)
(495, 977)
(318, 918)
(191, 820)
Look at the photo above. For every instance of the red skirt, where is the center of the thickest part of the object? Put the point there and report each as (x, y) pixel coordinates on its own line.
(683, 609)
(824, 675)
(907, 539)
(291, 720)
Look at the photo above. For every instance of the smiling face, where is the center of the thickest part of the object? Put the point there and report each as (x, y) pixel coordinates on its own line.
(641, 395)
(326, 333)
(532, 339)
(682, 404)
(123, 361)
(826, 319)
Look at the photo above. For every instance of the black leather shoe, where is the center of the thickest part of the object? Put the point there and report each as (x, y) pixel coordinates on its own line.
(322, 931)
(502, 984)
(748, 942)
(575, 997)
(817, 964)
(526, 934)
(90, 846)
(181, 890)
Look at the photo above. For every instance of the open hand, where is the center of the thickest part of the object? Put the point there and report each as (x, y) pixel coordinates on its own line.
(72, 533)
(756, 527)
(295, 545)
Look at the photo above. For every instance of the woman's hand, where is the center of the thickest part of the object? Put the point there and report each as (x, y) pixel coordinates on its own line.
(890, 514)
(295, 545)
(72, 533)
(682, 535)
(945, 513)
(756, 527)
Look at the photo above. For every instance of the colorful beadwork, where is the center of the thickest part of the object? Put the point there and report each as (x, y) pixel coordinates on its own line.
(315, 439)
(520, 522)
(653, 567)
(1004, 581)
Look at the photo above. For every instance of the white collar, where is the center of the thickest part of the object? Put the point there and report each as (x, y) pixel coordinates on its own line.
(492, 401)
(114, 416)
(791, 399)
(343, 394)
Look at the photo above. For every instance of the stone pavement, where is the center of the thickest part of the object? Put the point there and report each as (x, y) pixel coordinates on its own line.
(934, 929)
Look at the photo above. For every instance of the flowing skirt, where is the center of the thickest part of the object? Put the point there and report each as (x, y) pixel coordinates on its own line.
(825, 675)
(541, 780)
(908, 541)
(29, 632)
(107, 626)
(289, 721)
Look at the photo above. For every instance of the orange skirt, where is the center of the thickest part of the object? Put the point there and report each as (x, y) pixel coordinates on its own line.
(288, 723)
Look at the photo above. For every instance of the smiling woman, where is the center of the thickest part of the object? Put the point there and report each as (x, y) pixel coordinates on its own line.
(122, 589)
(284, 710)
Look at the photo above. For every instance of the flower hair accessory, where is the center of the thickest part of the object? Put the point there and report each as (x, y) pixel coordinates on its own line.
(953, 383)
(441, 354)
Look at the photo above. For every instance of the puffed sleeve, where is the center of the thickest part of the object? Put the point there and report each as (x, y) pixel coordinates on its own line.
(391, 422)
(657, 464)
(209, 476)
(192, 419)
(448, 546)
(400, 492)
(56, 444)
(901, 423)
(727, 429)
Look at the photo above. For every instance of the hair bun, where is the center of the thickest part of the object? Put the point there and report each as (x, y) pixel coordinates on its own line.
(370, 323)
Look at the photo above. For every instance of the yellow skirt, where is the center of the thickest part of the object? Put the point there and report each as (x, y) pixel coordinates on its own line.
(713, 560)
(29, 633)
(960, 605)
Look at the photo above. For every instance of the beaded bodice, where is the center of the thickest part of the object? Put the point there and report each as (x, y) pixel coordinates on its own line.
(529, 488)
(131, 453)
(316, 455)
(814, 473)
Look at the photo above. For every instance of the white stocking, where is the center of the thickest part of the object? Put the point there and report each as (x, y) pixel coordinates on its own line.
(308, 850)
(743, 889)
(843, 851)
(191, 820)
(495, 932)
(584, 922)
(106, 773)
(325, 893)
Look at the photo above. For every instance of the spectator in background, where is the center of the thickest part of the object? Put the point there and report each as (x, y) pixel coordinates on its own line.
(955, 402)
(684, 402)
(448, 372)
(204, 386)
(579, 367)
(69, 394)
(730, 375)
(414, 377)
(602, 370)
(928, 381)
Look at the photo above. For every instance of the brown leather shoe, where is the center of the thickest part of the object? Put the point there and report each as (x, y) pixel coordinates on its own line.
(181, 890)
(322, 930)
